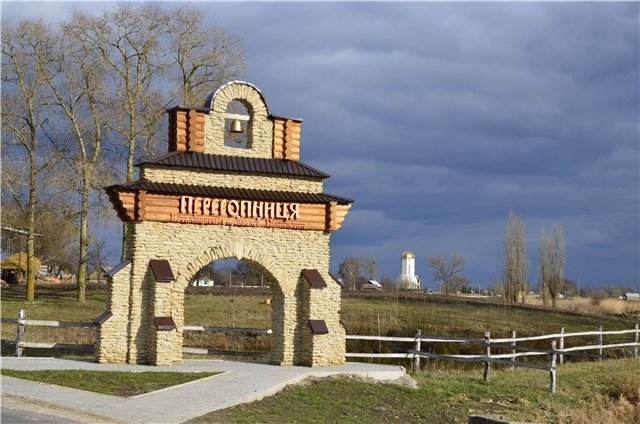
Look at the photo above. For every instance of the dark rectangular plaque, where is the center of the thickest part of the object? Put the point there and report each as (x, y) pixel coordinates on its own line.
(314, 278)
(164, 323)
(318, 326)
(161, 270)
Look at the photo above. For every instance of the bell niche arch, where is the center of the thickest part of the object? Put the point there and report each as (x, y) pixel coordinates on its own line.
(204, 201)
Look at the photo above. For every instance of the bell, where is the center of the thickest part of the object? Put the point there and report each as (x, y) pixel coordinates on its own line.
(236, 126)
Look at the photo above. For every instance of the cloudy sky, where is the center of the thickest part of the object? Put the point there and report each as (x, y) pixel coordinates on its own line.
(440, 118)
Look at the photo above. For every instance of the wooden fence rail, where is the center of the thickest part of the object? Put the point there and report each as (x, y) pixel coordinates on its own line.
(21, 343)
(487, 358)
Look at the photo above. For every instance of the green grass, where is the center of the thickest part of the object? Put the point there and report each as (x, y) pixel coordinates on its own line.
(123, 384)
(604, 392)
(397, 314)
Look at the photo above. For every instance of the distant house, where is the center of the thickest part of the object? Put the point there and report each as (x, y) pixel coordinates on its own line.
(631, 296)
(99, 275)
(14, 268)
(372, 285)
(203, 282)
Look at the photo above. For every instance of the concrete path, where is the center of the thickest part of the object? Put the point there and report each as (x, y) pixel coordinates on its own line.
(240, 382)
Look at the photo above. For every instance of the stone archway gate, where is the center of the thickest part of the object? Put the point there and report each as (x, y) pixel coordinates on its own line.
(209, 199)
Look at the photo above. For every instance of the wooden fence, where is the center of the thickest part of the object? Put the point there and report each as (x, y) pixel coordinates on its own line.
(556, 352)
(21, 343)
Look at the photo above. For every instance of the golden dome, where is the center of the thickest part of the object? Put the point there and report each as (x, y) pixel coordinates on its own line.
(408, 255)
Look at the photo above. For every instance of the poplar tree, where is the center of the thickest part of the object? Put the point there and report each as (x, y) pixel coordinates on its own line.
(551, 260)
(515, 261)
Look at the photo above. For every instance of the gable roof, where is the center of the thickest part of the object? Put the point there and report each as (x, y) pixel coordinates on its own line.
(235, 164)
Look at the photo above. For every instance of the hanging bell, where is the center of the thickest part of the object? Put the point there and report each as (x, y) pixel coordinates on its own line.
(236, 126)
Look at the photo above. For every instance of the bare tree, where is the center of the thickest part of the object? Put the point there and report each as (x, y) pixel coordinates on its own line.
(515, 262)
(368, 266)
(26, 49)
(202, 57)
(349, 271)
(97, 255)
(447, 271)
(98, 78)
(551, 258)
(387, 283)
(57, 233)
(76, 84)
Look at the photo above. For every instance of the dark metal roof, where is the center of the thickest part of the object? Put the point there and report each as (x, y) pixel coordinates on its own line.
(117, 268)
(229, 192)
(314, 278)
(235, 164)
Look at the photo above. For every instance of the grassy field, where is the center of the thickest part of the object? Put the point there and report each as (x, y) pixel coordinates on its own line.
(603, 392)
(123, 384)
(392, 315)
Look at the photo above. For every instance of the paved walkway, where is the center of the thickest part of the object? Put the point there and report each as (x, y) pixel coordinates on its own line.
(240, 382)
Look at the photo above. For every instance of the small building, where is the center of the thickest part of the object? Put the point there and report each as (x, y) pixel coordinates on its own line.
(203, 282)
(99, 276)
(14, 268)
(372, 285)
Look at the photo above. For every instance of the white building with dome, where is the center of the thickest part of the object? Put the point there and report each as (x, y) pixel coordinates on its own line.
(407, 279)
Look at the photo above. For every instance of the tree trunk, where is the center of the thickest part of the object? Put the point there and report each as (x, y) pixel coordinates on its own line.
(31, 230)
(84, 239)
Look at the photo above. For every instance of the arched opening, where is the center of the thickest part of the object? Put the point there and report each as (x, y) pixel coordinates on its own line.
(231, 301)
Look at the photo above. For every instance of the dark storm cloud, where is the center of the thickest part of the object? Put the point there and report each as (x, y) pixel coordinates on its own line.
(440, 118)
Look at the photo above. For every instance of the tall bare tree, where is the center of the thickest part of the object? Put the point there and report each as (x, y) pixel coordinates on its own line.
(447, 271)
(127, 39)
(551, 260)
(349, 271)
(368, 266)
(202, 57)
(103, 78)
(76, 84)
(26, 53)
(515, 261)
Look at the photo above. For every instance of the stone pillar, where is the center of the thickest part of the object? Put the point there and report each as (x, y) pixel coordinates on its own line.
(111, 344)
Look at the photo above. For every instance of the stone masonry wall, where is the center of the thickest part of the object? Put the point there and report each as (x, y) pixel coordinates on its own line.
(260, 126)
(136, 298)
(254, 181)
(188, 247)
(327, 349)
(111, 345)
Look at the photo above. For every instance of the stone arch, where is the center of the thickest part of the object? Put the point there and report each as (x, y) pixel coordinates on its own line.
(260, 128)
(230, 250)
(239, 251)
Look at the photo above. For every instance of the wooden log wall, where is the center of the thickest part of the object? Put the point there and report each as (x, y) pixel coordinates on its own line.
(141, 205)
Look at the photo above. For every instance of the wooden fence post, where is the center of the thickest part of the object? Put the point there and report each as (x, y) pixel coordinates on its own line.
(487, 352)
(600, 344)
(416, 358)
(635, 339)
(513, 343)
(20, 333)
(561, 356)
(552, 368)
